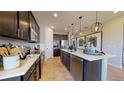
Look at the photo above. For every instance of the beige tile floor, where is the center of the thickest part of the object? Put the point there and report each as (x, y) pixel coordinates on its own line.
(54, 70)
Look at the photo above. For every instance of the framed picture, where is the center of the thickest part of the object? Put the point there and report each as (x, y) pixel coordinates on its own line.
(96, 40)
(73, 42)
(80, 41)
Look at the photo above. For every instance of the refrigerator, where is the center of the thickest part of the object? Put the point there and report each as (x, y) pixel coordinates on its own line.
(59, 44)
(63, 44)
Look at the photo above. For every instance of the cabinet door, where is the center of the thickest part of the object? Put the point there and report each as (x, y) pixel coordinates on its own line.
(23, 31)
(37, 72)
(38, 32)
(32, 77)
(62, 56)
(67, 60)
(56, 52)
(29, 73)
(32, 21)
(34, 26)
(92, 71)
(38, 69)
(8, 24)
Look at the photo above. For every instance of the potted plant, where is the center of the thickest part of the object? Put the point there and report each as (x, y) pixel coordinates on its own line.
(72, 48)
(10, 56)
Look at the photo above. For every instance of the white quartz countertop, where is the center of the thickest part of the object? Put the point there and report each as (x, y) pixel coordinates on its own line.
(21, 70)
(79, 53)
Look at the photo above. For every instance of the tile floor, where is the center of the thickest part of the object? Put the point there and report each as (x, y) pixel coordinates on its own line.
(54, 70)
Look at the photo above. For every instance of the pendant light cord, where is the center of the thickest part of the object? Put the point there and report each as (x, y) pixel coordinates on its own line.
(96, 16)
(72, 28)
(80, 22)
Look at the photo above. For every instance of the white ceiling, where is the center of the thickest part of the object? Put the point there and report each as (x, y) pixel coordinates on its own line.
(66, 18)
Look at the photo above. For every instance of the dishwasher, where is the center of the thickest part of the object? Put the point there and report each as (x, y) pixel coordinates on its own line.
(76, 68)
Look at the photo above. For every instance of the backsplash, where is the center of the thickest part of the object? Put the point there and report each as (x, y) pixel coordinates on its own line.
(16, 42)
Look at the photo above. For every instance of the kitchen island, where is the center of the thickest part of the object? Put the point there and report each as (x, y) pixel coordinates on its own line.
(28, 70)
(84, 67)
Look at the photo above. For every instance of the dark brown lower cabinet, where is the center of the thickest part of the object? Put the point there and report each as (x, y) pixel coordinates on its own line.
(38, 69)
(84, 70)
(92, 70)
(34, 73)
(56, 52)
(81, 69)
(65, 58)
(32, 77)
(30, 74)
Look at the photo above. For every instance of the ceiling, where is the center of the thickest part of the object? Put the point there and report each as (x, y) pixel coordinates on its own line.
(66, 18)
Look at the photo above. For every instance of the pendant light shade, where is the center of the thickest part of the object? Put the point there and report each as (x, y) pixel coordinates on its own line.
(97, 26)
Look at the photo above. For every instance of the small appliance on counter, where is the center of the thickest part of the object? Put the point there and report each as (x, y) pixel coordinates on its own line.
(37, 49)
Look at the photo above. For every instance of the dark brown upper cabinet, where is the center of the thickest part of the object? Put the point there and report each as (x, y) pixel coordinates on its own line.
(38, 33)
(34, 26)
(23, 25)
(8, 23)
(32, 21)
(18, 24)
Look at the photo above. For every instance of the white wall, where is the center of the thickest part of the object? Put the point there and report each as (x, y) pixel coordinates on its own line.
(46, 41)
(42, 37)
(113, 38)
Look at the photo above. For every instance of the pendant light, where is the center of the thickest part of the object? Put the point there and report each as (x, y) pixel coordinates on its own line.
(80, 17)
(72, 30)
(97, 26)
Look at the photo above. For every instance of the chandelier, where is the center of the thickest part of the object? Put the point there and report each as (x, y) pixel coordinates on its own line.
(97, 26)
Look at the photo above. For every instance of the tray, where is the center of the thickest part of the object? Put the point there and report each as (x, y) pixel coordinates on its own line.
(96, 54)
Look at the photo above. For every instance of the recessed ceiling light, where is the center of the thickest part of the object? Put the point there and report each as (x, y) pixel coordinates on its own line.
(115, 11)
(65, 28)
(52, 27)
(55, 15)
(80, 33)
(77, 30)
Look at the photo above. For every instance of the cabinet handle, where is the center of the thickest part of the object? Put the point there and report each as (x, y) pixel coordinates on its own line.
(18, 32)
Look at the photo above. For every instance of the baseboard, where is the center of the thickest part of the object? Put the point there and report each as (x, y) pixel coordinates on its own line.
(120, 67)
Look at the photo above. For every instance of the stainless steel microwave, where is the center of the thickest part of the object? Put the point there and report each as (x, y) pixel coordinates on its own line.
(33, 35)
